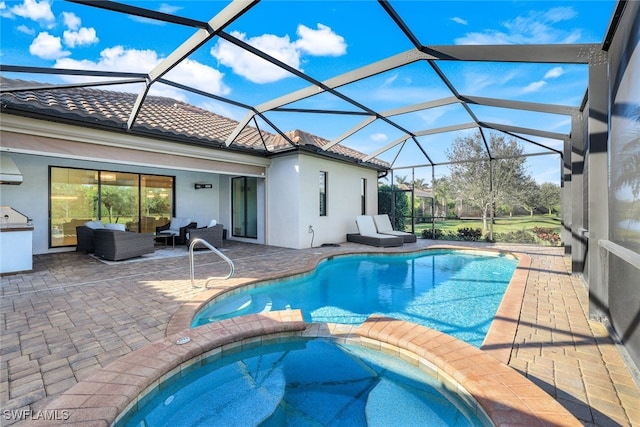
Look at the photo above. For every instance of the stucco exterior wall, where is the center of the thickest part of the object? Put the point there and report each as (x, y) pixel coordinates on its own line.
(31, 197)
(293, 195)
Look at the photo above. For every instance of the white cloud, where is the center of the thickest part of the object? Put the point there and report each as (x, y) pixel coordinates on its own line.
(26, 30)
(71, 20)
(200, 76)
(46, 46)
(388, 81)
(34, 10)
(118, 58)
(85, 36)
(475, 81)
(4, 12)
(379, 137)
(167, 8)
(534, 28)
(558, 14)
(459, 20)
(534, 87)
(553, 73)
(252, 67)
(321, 42)
(164, 8)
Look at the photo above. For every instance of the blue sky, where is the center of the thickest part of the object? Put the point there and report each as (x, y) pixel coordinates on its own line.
(325, 39)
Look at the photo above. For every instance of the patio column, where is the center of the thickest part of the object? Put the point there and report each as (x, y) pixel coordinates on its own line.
(576, 199)
(598, 185)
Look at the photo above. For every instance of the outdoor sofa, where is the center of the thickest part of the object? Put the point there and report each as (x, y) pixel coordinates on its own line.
(368, 234)
(112, 242)
(116, 245)
(85, 234)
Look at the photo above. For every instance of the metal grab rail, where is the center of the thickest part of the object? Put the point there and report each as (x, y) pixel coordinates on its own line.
(217, 252)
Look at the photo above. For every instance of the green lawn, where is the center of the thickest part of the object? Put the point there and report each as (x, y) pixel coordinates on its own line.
(516, 229)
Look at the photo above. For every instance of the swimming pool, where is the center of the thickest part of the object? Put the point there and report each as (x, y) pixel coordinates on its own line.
(273, 385)
(453, 291)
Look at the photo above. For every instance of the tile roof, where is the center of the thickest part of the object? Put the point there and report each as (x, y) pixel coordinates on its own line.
(160, 116)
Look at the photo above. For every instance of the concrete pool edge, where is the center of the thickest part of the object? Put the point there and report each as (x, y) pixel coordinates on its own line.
(497, 391)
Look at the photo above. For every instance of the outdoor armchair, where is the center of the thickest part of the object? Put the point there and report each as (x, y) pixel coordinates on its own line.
(179, 227)
(212, 235)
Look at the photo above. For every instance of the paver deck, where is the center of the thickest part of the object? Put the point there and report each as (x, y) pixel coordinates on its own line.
(74, 315)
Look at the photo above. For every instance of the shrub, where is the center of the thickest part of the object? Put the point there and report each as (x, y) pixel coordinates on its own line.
(547, 235)
(435, 234)
(520, 236)
(469, 234)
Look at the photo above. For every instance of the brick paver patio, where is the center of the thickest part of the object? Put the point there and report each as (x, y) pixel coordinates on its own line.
(74, 315)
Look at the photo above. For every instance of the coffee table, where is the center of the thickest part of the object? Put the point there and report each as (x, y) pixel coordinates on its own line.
(166, 237)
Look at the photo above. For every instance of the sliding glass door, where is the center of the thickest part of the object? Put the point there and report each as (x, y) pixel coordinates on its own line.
(244, 203)
(139, 202)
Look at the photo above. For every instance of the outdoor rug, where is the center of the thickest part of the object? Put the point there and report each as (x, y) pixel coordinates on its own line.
(159, 253)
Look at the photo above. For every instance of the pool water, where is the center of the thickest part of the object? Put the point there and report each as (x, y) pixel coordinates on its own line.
(453, 291)
(305, 383)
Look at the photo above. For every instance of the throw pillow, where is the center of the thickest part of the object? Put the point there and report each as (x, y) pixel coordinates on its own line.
(212, 223)
(94, 224)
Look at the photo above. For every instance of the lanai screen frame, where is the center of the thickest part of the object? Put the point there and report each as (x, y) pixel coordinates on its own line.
(204, 31)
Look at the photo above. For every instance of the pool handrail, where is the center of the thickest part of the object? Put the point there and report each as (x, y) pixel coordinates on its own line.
(225, 258)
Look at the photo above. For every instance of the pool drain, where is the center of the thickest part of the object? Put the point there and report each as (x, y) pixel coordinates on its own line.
(183, 340)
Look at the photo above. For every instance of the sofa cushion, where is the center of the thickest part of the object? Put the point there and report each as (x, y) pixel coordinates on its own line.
(95, 225)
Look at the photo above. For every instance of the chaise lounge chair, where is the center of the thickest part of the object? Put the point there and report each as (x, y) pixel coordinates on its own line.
(383, 225)
(368, 235)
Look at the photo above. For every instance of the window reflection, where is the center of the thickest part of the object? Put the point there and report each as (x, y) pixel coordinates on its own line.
(140, 202)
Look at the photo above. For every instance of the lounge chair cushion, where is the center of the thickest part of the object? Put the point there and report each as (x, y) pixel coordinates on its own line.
(383, 226)
(369, 235)
(366, 226)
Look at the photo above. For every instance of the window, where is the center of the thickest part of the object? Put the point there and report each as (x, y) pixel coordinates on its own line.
(323, 193)
(140, 202)
(363, 196)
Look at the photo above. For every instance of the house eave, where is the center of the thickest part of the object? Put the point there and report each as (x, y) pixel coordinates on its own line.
(54, 127)
(317, 152)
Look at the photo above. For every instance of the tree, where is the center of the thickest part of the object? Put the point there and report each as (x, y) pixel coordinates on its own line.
(402, 208)
(401, 180)
(471, 179)
(118, 201)
(550, 196)
(530, 197)
(444, 193)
